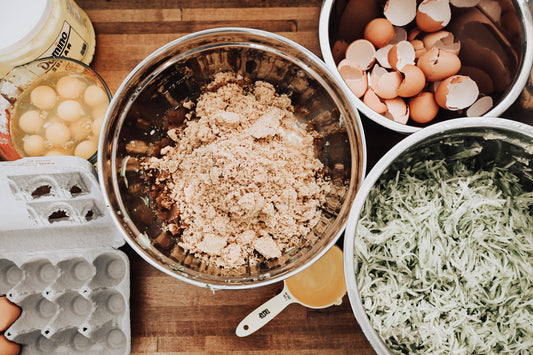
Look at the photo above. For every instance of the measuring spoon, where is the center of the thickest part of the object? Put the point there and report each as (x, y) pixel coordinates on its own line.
(319, 286)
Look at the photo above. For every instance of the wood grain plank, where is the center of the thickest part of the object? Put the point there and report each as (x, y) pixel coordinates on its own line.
(199, 4)
(169, 316)
(262, 14)
(131, 15)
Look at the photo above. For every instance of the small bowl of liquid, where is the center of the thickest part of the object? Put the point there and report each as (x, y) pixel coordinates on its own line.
(52, 106)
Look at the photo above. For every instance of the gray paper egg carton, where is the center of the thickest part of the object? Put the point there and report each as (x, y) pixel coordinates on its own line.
(58, 260)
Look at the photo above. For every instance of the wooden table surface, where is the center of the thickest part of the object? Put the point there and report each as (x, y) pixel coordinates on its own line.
(169, 316)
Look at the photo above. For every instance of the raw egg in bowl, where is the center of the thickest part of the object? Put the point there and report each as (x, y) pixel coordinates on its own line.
(52, 106)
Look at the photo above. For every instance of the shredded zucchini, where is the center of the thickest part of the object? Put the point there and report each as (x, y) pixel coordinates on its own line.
(444, 260)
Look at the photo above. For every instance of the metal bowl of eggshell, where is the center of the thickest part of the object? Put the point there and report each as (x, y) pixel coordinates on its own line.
(410, 63)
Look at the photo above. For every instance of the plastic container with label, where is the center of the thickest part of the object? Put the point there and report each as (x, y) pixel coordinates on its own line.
(32, 29)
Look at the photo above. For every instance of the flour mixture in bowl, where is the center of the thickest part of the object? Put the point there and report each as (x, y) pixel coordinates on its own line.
(238, 181)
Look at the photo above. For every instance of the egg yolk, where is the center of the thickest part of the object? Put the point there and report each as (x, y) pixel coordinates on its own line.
(94, 96)
(70, 87)
(69, 110)
(34, 145)
(57, 134)
(85, 149)
(31, 121)
(97, 126)
(44, 97)
(81, 129)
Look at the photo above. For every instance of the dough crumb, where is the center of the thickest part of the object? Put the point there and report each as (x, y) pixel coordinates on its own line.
(241, 173)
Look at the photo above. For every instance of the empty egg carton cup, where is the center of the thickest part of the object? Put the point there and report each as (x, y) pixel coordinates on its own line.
(59, 260)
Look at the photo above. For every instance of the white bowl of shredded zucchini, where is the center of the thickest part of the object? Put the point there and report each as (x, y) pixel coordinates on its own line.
(439, 243)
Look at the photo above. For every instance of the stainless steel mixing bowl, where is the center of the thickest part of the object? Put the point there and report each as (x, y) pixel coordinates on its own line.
(502, 47)
(178, 71)
(480, 142)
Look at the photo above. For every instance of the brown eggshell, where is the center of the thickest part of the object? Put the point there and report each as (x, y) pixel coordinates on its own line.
(382, 56)
(374, 101)
(456, 92)
(413, 81)
(419, 47)
(480, 107)
(433, 15)
(397, 110)
(338, 51)
(415, 33)
(379, 32)
(401, 54)
(362, 52)
(438, 64)
(400, 34)
(9, 312)
(423, 108)
(442, 40)
(464, 3)
(387, 85)
(400, 12)
(7, 347)
(354, 76)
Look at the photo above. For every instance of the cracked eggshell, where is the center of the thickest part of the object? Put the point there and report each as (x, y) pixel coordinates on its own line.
(400, 12)
(387, 85)
(423, 108)
(442, 40)
(362, 52)
(480, 107)
(413, 81)
(456, 93)
(397, 110)
(414, 33)
(433, 15)
(382, 55)
(375, 74)
(379, 32)
(354, 76)
(401, 54)
(464, 3)
(438, 64)
(374, 101)
(419, 47)
(400, 34)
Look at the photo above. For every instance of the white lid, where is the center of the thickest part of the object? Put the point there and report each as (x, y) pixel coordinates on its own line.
(20, 21)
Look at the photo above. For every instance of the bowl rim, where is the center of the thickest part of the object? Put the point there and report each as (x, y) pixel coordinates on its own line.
(132, 239)
(496, 111)
(371, 178)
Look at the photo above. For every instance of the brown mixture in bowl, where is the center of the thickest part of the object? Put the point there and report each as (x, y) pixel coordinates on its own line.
(239, 181)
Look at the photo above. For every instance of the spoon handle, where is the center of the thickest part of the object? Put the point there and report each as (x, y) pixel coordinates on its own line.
(265, 313)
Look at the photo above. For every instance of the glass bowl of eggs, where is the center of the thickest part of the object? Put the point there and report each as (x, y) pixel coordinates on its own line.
(52, 106)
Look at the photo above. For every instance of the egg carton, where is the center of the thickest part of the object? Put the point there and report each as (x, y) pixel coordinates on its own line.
(59, 260)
